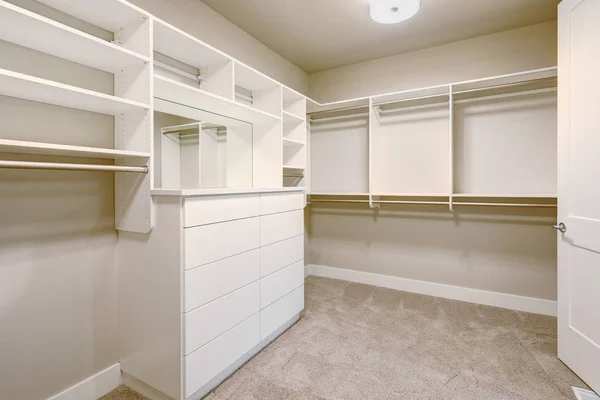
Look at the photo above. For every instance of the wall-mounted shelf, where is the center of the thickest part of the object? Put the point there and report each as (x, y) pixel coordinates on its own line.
(110, 15)
(49, 149)
(62, 41)
(257, 90)
(293, 143)
(291, 118)
(171, 90)
(503, 195)
(14, 84)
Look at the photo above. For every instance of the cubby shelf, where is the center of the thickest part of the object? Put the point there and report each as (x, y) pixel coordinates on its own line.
(110, 15)
(49, 149)
(291, 142)
(171, 90)
(15, 84)
(62, 41)
(292, 168)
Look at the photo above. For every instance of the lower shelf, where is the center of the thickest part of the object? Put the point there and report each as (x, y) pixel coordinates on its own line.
(49, 149)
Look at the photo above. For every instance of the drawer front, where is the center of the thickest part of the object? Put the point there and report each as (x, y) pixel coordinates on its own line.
(211, 281)
(214, 357)
(209, 243)
(278, 227)
(212, 209)
(213, 319)
(271, 203)
(281, 254)
(280, 312)
(280, 283)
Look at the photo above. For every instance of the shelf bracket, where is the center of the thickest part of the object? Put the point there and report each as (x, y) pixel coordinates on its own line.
(202, 78)
(377, 110)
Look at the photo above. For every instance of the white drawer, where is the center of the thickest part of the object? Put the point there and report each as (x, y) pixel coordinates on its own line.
(211, 320)
(214, 357)
(211, 209)
(209, 243)
(278, 227)
(271, 203)
(211, 281)
(280, 283)
(280, 312)
(281, 254)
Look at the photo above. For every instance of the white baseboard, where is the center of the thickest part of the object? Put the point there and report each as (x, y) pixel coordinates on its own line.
(93, 387)
(306, 270)
(495, 299)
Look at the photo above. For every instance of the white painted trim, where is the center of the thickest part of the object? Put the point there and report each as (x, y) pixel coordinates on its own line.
(93, 387)
(306, 270)
(495, 299)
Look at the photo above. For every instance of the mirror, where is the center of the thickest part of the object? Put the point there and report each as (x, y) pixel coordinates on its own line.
(196, 149)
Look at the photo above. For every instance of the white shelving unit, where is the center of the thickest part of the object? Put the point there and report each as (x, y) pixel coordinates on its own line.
(128, 58)
(62, 41)
(460, 144)
(257, 90)
(49, 149)
(212, 70)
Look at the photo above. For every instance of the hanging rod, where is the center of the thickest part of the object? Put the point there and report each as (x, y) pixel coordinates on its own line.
(341, 117)
(199, 77)
(70, 167)
(179, 128)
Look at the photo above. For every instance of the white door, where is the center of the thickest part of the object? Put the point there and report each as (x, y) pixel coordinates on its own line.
(579, 188)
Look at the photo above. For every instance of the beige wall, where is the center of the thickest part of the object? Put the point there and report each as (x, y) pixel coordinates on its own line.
(502, 250)
(516, 50)
(198, 19)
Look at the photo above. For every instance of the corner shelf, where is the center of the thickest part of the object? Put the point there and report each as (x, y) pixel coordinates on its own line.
(49, 149)
(62, 41)
(15, 84)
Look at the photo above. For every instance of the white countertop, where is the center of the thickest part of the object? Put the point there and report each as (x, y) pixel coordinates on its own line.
(218, 191)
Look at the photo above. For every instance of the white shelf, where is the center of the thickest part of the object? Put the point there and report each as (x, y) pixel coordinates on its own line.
(338, 194)
(252, 80)
(411, 194)
(14, 84)
(22, 147)
(170, 90)
(291, 142)
(36, 32)
(293, 167)
(514, 196)
(288, 117)
(219, 191)
(107, 14)
(181, 46)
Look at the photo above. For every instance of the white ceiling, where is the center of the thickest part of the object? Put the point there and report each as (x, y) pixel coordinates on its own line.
(321, 34)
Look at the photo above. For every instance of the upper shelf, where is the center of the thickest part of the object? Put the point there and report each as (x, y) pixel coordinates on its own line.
(110, 15)
(171, 90)
(34, 31)
(14, 84)
(22, 147)
(181, 46)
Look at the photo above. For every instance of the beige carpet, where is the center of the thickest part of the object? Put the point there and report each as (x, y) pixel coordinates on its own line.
(361, 342)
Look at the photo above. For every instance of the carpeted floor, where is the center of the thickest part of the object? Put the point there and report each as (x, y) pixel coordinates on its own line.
(361, 342)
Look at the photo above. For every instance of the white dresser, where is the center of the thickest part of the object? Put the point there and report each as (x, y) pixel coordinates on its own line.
(219, 278)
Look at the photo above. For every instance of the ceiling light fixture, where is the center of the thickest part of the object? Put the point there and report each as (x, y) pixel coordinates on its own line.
(393, 11)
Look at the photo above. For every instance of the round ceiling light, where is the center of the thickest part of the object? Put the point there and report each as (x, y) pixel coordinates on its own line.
(393, 11)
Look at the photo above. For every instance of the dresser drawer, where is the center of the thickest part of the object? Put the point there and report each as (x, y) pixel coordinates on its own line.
(214, 357)
(211, 320)
(211, 209)
(278, 227)
(209, 243)
(281, 254)
(280, 312)
(278, 284)
(211, 281)
(271, 203)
